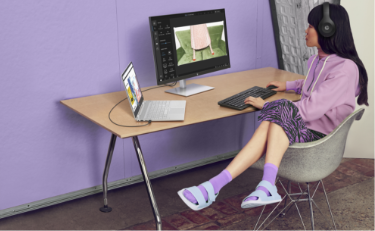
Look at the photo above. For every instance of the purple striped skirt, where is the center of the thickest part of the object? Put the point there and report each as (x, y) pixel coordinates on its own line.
(284, 113)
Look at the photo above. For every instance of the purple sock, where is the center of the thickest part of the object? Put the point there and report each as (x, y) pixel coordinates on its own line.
(269, 174)
(218, 182)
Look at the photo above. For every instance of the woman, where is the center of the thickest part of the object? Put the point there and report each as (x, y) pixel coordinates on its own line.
(335, 77)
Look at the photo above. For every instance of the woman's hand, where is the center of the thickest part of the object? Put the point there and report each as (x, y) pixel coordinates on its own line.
(255, 102)
(281, 86)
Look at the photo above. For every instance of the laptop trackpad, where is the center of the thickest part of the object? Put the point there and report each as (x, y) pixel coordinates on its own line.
(177, 104)
(174, 111)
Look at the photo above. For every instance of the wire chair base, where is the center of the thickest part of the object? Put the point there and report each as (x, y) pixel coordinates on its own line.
(283, 212)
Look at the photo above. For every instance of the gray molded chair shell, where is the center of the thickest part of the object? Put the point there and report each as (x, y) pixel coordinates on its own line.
(313, 161)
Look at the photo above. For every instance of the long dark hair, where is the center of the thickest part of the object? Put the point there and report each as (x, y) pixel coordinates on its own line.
(341, 43)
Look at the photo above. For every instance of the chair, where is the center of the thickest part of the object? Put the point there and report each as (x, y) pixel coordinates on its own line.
(310, 162)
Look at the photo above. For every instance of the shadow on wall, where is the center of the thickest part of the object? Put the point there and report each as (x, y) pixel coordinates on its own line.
(89, 139)
(143, 59)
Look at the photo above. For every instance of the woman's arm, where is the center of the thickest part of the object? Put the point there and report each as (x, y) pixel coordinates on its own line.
(333, 91)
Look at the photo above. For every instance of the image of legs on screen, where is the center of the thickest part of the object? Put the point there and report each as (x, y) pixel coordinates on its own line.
(212, 52)
(197, 43)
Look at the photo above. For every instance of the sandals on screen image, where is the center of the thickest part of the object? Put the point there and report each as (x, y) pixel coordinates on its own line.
(202, 203)
(263, 199)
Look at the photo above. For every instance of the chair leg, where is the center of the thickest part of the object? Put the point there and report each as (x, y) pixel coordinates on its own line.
(328, 204)
(286, 199)
(310, 205)
(292, 201)
(295, 201)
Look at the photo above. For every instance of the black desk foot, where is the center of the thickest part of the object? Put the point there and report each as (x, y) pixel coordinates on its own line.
(105, 209)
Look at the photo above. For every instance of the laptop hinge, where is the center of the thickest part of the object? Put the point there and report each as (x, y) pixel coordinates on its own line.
(140, 111)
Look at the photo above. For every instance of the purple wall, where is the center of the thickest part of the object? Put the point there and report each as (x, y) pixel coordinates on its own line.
(55, 50)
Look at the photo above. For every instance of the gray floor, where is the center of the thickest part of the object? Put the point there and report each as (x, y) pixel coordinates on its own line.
(353, 205)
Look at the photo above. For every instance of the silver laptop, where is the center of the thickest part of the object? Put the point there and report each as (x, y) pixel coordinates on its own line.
(155, 110)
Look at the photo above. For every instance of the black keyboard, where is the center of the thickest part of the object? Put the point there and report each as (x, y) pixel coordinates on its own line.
(237, 101)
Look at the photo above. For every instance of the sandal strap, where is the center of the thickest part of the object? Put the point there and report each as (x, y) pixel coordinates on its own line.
(271, 188)
(257, 193)
(210, 190)
(197, 194)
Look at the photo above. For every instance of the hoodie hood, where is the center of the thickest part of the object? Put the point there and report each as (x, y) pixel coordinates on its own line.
(320, 70)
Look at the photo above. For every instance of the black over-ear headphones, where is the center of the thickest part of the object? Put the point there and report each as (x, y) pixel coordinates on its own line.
(326, 26)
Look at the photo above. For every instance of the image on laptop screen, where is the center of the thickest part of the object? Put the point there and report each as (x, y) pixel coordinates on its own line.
(132, 87)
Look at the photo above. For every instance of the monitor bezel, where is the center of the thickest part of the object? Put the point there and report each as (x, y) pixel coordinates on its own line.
(194, 74)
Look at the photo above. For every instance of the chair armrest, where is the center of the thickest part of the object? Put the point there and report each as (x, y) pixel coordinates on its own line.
(357, 115)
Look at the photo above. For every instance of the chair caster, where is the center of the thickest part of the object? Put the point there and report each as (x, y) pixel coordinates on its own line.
(105, 209)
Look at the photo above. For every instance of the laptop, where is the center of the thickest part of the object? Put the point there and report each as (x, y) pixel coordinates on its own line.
(154, 110)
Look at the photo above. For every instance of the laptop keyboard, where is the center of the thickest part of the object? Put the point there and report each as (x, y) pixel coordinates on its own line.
(157, 110)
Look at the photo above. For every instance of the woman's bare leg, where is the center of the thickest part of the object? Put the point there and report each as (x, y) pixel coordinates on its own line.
(252, 151)
(193, 54)
(212, 52)
(269, 139)
(277, 144)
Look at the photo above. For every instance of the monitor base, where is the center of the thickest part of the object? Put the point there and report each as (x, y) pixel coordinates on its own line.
(189, 90)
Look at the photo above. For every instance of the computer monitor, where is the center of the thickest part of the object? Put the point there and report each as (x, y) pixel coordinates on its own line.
(187, 45)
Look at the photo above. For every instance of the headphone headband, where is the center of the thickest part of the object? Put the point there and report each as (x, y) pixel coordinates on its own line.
(326, 9)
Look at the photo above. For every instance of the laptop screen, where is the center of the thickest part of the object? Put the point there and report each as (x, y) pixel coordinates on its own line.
(132, 89)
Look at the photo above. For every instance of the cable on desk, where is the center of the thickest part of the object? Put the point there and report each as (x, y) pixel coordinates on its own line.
(149, 122)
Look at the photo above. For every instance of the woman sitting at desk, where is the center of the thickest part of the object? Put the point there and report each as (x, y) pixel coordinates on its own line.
(327, 97)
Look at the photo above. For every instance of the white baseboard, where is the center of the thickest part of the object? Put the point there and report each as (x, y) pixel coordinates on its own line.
(112, 185)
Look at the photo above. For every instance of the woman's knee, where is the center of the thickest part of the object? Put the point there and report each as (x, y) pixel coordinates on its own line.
(264, 125)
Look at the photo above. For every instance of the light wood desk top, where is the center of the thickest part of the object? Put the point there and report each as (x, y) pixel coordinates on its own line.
(199, 107)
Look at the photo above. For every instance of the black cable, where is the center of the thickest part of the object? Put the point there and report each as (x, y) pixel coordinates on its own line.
(149, 122)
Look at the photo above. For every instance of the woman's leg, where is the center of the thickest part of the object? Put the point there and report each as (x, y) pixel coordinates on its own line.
(193, 54)
(277, 144)
(212, 52)
(252, 151)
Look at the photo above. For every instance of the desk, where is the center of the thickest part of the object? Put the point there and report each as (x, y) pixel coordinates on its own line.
(199, 108)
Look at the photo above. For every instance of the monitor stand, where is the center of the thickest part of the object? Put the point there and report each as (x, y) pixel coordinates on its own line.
(188, 90)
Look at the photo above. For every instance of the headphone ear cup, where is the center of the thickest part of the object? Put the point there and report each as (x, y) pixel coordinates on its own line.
(326, 26)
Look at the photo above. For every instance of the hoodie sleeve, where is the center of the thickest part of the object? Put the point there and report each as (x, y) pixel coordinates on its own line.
(295, 85)
(333, 91)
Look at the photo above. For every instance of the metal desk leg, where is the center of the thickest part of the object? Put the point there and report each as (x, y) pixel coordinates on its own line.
(105, 208)
(151, 196)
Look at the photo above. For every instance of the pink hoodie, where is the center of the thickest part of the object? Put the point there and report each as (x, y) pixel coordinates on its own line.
(329, 92)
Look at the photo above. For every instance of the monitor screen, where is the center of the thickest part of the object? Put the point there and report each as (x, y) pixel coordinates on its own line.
(189, 44)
